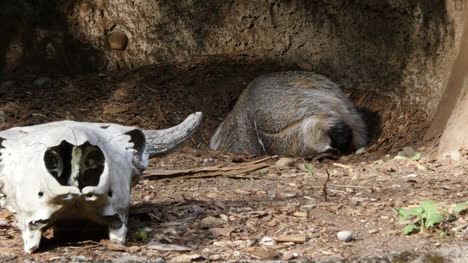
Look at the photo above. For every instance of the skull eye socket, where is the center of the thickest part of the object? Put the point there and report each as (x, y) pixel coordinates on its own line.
(91, 166)
(92, 158)
(79, 166)
(53, 162)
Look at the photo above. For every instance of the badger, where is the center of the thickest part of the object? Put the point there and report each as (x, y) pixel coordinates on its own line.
(291, 113)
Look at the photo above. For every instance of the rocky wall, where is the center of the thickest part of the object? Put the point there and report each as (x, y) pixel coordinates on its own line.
(403, 49)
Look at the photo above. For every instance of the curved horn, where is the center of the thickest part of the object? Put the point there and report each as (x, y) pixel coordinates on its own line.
(162, 141)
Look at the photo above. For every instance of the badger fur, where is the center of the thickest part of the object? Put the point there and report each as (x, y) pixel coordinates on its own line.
(294, 114)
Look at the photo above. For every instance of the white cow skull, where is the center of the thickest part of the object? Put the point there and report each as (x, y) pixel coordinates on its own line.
(66, 170)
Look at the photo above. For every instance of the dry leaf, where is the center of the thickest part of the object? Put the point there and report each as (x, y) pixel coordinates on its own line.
(116, 110)
(112, 246)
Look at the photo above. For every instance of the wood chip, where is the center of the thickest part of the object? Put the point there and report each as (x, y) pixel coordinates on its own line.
(112, 246)
(264, 253)
(291, 238)
(300, 214)
(271, 223)
(166, 247)
(116, 110)
(343, 165)
(224, 231)
(211, 222)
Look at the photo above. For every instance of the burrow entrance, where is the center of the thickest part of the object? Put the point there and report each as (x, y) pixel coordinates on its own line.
(155, 97)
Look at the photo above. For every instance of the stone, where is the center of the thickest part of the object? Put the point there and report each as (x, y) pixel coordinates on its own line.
(302, 167)
(267, 241)
(284, 162)
(454, 155)
(43, 82)
(400, 158)
(345, 236)
(118, 40)
(82, 258)
(223, 231)
(288, 255)
(408, 151)
(361, 150)
(211, 222)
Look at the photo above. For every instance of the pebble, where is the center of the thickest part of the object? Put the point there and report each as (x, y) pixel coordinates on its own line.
(302, 167)
(82, 258)
(118, 40)
(399, 158)
(160, 260)
(267, 241)
(147, 229)
(361, 150)
(456, 156)
(408, 151)
(283, 162)
(288, 255)
(345, 236)
(222, 231)
(210, 222)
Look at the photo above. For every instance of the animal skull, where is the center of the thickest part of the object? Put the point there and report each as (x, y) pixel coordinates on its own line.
(66, 170)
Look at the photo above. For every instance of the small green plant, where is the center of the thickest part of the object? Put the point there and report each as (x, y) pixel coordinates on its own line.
(425, 216)
(262, 171)
(141, 235)
(310, 168)
(461, 207)
(416, 156)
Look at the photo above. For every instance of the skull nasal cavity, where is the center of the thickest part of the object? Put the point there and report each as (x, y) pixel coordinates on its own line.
(73, 165)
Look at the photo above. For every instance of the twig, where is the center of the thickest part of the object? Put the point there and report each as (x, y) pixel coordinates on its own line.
(351, 186)
(324, 189)
(207, 171)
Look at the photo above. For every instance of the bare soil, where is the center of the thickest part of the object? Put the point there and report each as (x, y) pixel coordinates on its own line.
(276, 212)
